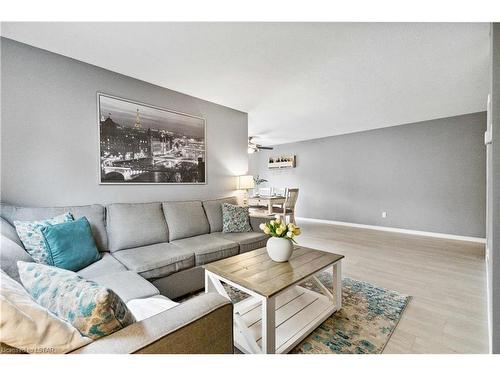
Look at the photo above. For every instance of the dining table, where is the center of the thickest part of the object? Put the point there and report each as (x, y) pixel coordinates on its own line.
(266, 200)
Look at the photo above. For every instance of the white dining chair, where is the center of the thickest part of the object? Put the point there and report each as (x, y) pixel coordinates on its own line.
(288, 208)
(265, 191)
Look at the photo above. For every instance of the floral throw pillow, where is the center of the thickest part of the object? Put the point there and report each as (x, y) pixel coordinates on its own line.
(95, 311)
(31, 236)
(235, 219)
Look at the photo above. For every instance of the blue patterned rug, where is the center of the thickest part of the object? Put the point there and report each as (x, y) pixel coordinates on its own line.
(364, 325)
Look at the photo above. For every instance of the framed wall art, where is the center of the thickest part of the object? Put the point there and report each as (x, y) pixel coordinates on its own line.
(145, 144)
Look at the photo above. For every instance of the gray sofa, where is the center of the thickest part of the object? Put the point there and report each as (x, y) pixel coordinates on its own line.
(149, 249)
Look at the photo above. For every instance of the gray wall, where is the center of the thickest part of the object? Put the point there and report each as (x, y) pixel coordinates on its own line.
(49, 132)
(494, 193)
(428, 176)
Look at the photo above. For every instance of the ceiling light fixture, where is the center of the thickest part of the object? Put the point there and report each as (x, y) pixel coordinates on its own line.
(254, 147)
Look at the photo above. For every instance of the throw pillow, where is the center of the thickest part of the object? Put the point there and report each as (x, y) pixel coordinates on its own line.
(70, 245)
(32, 238)
(92, 309)
(235, 219)
(31, 328)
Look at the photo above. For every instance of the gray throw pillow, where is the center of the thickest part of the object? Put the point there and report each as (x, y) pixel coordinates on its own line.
(235, 219)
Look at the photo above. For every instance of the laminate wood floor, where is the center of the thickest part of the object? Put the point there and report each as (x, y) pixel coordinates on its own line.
(446, 279)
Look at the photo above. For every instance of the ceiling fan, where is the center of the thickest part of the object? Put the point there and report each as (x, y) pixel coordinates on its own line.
(254, 147)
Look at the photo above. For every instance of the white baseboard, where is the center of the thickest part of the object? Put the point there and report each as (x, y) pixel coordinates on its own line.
(397, 230)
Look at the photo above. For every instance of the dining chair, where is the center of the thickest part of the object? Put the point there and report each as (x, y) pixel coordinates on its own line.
(279, 191)
(288, 208)
(265, 191)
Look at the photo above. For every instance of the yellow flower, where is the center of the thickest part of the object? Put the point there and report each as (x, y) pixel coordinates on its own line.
(290, 234)
(278, 221)
(262, 226)
(279, 231)
(283, 227)
(296, 231)
(267, 230)
(272, 222)
(291, 226)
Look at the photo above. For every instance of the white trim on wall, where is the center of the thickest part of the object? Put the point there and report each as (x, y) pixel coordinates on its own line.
(396, 230)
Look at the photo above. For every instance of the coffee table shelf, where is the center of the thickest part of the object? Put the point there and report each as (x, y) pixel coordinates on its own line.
(297, 311)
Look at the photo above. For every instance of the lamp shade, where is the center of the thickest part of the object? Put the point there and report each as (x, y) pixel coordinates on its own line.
(245, 182)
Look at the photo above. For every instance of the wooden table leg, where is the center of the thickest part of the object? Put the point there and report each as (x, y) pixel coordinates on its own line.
(209, 286)
(337, 284)
(268, 341)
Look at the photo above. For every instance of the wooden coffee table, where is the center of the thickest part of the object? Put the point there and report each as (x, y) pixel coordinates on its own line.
(279, 312)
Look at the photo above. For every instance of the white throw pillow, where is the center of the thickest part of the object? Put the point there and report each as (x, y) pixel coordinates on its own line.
(27, 326)
(143, 308)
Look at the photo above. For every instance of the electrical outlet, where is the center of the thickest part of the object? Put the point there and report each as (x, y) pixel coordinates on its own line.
(384, 214)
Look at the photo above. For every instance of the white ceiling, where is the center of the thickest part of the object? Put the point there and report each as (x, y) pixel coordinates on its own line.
(296, 80)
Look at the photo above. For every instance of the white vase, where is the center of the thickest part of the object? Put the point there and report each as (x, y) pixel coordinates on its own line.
(279, 249)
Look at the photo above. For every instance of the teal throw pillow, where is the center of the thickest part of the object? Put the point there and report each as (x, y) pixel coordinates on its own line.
(71, 245)
(235, 219)
(31, 236)
(95, 311)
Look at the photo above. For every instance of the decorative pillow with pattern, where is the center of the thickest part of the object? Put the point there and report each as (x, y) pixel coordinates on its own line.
(95, 311)
(31, 328)
(235, 219)
(31, 236)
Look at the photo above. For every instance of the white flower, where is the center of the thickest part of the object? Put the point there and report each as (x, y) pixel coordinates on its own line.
(290, 234)
(262, 226)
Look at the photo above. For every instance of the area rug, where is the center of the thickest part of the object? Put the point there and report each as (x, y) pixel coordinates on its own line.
(364, 325)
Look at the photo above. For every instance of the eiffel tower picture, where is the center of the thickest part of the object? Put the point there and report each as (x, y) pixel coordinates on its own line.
(145, 144)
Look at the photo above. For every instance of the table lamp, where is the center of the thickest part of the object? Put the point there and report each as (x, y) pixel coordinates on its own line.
(245, 183)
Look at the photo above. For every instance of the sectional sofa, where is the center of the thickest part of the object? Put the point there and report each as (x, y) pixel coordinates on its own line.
(152, 250)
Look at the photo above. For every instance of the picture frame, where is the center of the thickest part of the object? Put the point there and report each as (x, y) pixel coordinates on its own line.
(140, 143)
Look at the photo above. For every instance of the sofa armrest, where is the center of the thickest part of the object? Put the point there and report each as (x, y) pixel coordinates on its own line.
(203, 324)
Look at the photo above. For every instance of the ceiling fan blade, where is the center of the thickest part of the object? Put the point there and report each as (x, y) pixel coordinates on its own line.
(265, 148)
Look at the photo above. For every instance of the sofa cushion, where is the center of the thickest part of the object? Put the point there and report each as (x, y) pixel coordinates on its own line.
(127, 284)
(208, 248)
(154, 261)
(71, 245)
(30, 233)
(213, 210)
(30, 327)
(135, 224)
(10, 253)
(9, 231)
(185, 219)
(7, 212)
(144, 308)
(247, 240)
(92, 309)
(106, 266)
(95, 214)
(235, 219)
